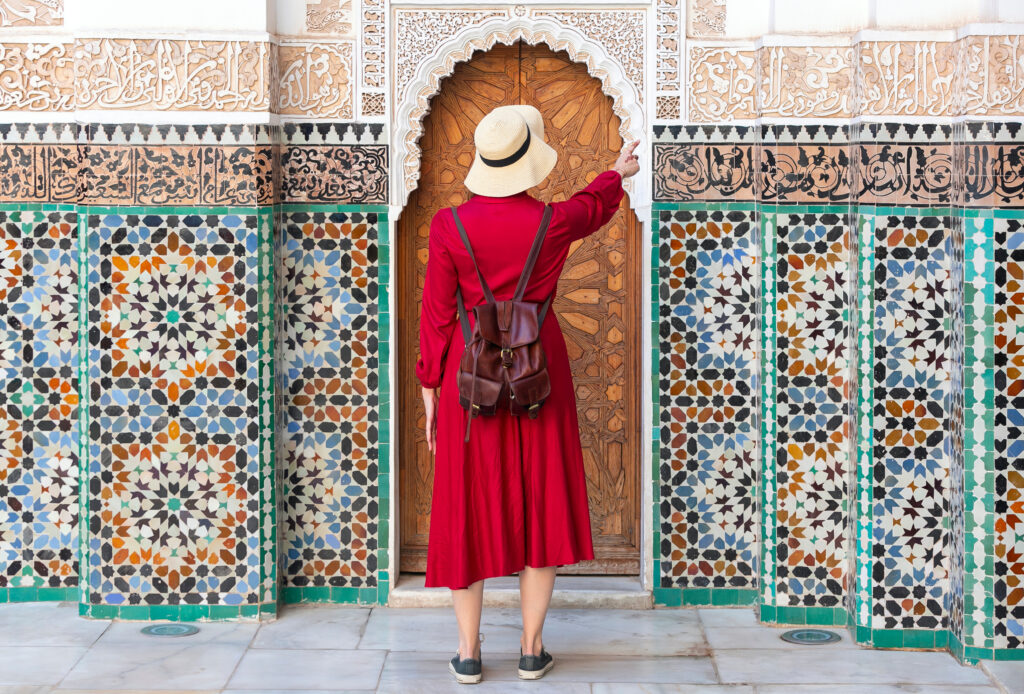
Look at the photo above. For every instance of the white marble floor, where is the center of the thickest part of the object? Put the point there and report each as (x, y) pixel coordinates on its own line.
(47, 647)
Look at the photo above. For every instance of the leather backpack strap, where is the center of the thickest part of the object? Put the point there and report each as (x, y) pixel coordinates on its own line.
(531, 259)
(543, 310)
(463, 318)
(465, 240)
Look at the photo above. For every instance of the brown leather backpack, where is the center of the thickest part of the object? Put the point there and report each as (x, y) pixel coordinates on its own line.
(504, 360)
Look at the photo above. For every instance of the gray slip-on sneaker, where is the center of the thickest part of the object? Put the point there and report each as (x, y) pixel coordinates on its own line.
(533, 667)
(466, 670)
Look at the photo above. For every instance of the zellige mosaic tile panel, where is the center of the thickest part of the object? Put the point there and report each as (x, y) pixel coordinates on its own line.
(331, 375)
(1008, 436)
(807, 428)
(708, 389)
(38, 401)
(910, 363)
(176, 480)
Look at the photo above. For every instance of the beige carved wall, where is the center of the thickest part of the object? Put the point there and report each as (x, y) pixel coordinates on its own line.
(977, 75)
(180, 75)
(19, 13)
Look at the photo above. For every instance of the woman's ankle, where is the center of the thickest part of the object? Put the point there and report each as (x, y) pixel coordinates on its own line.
(473, 648)
(533, 648)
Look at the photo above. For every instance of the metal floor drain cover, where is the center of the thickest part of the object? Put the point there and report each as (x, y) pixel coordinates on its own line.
(170, 630)
(810, 636)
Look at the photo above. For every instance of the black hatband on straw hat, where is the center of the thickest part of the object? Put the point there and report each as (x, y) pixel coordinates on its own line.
(512, 158)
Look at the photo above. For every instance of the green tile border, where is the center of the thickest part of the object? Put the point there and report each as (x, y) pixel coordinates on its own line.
(803, 616)
(178, 613)
(349, 595)
(14, 594)
(328, 207)
(84, 565)
(863, 463)
(705, 597)
(384, 507)
(978, 454)
(921, 639)
(659, 594)
(768, 373)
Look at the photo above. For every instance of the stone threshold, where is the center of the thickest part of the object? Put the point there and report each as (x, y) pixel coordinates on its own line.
(618, 592)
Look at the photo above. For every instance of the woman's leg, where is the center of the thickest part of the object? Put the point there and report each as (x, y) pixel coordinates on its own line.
(468, 603)
(535, 586)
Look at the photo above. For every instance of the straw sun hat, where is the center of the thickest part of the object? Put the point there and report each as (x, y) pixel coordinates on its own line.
(511, 154)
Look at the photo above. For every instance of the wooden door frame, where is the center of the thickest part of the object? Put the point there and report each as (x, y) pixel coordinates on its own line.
(640, 203)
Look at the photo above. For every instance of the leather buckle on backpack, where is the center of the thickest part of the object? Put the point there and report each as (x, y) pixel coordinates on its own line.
(506, 357)
(532, 410)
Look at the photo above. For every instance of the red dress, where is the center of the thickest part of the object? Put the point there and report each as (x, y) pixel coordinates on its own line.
(515, 495)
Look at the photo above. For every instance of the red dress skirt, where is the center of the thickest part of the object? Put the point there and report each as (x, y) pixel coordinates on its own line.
(515, 494)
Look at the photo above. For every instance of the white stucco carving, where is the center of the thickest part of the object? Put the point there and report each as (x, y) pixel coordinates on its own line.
(412, 101)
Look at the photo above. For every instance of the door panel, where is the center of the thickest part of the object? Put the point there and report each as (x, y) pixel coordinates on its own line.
(599, 293)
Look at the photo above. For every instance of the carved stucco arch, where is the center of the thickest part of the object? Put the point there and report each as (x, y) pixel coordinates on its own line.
(414, 101)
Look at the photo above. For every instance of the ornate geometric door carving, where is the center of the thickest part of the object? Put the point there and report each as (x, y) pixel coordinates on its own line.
(599, 294)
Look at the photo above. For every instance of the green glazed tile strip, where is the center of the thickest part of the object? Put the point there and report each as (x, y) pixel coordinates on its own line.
(177, 613)
(383, 407)
(655, 472)
(864, 459)
(769, 377)
(804, 616)
(84, 572)
(979, 363)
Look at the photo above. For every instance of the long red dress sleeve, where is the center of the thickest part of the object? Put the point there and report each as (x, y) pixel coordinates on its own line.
(439, 312)
(591, 207)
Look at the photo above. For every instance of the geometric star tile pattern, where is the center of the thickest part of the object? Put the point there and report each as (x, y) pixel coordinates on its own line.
(174, 469)
(910, 365)
(331, 374)
(807, 386)
(38, 398)
(1008, 437)
(708, 384)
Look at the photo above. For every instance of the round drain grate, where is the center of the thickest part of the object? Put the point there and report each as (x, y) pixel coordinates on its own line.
(812, 637)
(170, 630)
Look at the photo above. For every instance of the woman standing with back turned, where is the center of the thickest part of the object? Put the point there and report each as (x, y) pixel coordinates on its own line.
(514, 497)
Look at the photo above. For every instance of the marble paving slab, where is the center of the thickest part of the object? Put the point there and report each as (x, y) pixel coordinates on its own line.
(777, 666)
(308, 669)
(149, 666)
(1010, 674)
(37, 664)
(309, 627)
(19, 625)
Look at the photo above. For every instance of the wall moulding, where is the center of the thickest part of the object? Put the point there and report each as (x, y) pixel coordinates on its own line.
(431, 42)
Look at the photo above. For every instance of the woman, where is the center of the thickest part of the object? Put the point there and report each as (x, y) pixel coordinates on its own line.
(513, 498)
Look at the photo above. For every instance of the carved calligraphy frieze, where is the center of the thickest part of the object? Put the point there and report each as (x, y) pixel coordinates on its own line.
(316, 80)
(31, 13)
(166, 74)
(883, 164)
(329, 17)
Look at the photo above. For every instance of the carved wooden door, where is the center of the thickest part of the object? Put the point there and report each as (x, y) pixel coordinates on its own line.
(598, 294)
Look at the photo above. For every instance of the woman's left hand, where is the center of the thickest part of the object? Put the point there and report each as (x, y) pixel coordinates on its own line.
(430, 407)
